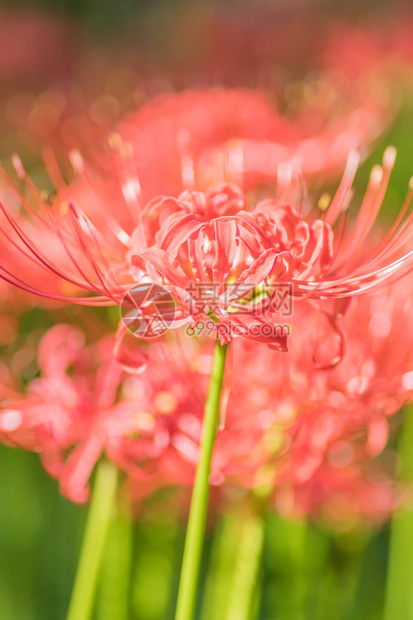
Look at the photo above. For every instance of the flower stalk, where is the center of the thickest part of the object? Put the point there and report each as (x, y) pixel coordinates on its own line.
(97, 526)
(244, 582)
(188, 584)
(399, 595)
(114, 580)
(221, 567)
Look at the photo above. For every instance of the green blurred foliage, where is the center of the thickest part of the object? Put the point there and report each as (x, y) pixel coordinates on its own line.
(307, 572)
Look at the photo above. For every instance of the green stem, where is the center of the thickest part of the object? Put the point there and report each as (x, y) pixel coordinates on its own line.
(98, 520)
(247, 565)
(113, 595)
(221, 567)
(399, 593)
(188, 584)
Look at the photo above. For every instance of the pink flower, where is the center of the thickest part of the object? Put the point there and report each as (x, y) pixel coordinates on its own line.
(84, 406)
(203, 137)
(71, 415)
(215, 243)
(211, 253)
(315, 435)
(327, 430)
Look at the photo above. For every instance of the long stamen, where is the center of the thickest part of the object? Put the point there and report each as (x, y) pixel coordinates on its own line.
(29, 250)
(358, 284)
(25, 240)
(340, 201)
(125, 166)
(23, 201)
(78, 219)
(112, 225)
(53, 170)
(395, 239)
(84, 301)
(373, 201)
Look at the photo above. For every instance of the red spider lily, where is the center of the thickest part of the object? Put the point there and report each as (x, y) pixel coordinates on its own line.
(212, 252)
(327, 429)
(84, 405)
(206, 136)
(214, 240)
(315, 435)
(73, 413)
(160, 150)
